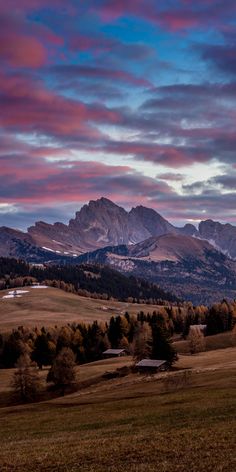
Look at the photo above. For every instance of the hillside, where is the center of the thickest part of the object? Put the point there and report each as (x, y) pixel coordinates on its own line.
(189, 267)
(52, 306)
(135, 422)
(104, 282)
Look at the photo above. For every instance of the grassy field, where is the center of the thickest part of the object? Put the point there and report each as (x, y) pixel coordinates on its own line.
(51, 306)
(218, 341)
(87, 373)
(132, 423)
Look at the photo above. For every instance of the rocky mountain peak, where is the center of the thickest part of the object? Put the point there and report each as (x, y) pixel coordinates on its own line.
(102, 223)
(189, 230)
(222, 236)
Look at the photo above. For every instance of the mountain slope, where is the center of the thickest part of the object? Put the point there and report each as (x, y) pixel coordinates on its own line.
(21, 245)
(190, 267)
(102, 223)
(223, 236)
(98, 224)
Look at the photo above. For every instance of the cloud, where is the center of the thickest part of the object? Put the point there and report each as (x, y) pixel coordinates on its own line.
(223, 57)
(25, 44)
(73, 71)
(27, 106)
(178, 15)
(33, 180)
(171, 177)
(226, 181)
(88, 80)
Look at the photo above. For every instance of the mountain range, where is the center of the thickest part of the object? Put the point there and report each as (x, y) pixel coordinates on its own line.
(139, 242)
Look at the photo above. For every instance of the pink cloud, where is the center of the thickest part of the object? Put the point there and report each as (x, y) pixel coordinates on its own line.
(177, 21)
(28, 5)
(28, 106)
(25, 43)
(167, 155)
(22, 50)
(184, 15)
(28, 180)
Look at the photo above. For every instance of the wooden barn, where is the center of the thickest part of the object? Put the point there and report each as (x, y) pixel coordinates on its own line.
(114, 353)
(151, 365)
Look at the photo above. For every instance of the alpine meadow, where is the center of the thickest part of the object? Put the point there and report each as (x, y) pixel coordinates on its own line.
(117, 236)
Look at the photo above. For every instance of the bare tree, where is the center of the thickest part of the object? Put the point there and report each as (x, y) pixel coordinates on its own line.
(26, 381)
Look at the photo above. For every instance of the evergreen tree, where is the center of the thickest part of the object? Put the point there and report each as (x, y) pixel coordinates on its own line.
(44, 351)
(162, 347)
(13, 348)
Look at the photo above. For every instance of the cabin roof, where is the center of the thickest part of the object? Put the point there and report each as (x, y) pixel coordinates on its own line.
(151, 363)
(114, 351)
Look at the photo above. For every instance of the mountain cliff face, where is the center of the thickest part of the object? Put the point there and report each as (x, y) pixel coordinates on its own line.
(222, 236)
(99, 224)
(102, 223)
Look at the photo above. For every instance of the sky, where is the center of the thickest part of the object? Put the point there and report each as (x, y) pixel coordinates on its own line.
(134, 101)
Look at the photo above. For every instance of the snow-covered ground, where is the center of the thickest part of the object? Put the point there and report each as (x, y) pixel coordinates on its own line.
(39, 286)
(18, 293)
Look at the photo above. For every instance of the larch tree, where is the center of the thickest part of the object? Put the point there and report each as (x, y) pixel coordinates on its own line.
(26, 381)
(62, 372)
(142, 345)
(196, 341)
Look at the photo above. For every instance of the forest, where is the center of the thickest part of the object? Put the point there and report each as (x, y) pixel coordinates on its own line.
(150, 334)
(86, 280)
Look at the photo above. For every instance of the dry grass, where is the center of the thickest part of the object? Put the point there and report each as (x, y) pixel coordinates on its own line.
(218, 359)
(51, 306)
(87, 373)
(130, 424)
(218, 341)
(192, 430)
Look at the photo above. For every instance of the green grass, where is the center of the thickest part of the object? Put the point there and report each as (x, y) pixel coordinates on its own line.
(130, 424)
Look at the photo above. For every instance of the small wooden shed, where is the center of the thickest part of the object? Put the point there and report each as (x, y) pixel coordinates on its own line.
(114, 353)
(151, 365)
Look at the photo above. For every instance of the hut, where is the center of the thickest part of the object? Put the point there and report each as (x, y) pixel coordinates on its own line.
(151, 365)
(114, 353)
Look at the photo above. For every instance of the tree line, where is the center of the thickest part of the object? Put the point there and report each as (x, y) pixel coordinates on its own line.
(86, 280)
(89, 341)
